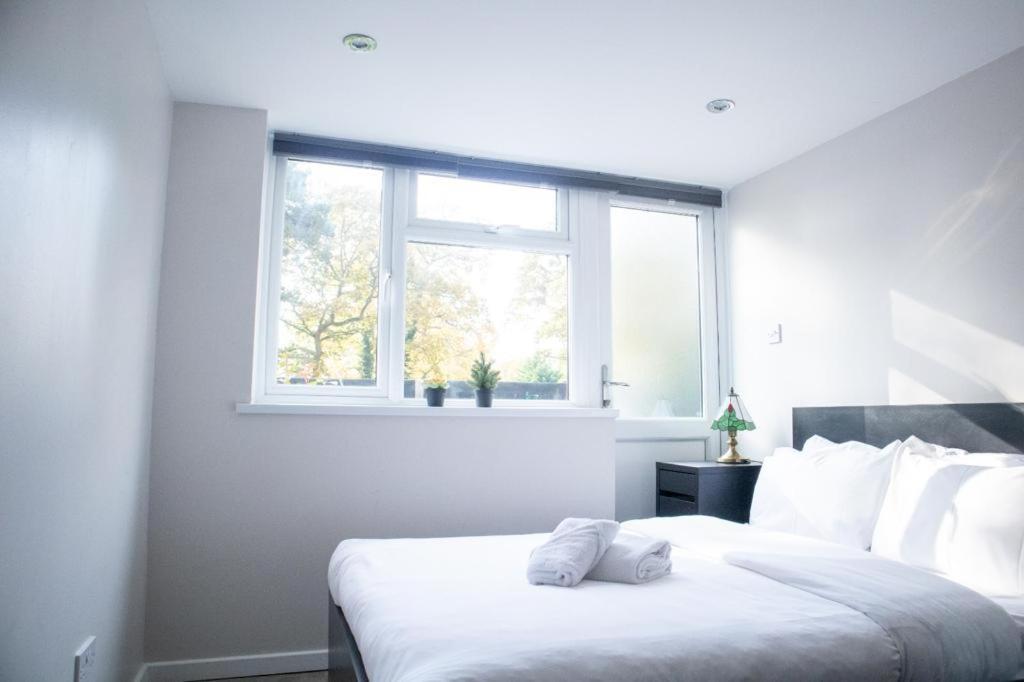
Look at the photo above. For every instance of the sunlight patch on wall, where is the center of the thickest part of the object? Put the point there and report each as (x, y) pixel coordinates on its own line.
(904, 390)
(978, 216)
(986, 359)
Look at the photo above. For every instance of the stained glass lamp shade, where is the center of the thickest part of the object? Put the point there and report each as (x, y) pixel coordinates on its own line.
(733, 417)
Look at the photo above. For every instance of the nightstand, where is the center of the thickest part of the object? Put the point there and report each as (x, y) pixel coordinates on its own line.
(708, 488)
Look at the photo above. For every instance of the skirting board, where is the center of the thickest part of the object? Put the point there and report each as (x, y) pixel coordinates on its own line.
(233, 666)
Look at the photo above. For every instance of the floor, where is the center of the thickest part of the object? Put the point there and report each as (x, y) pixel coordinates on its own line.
(296, 677)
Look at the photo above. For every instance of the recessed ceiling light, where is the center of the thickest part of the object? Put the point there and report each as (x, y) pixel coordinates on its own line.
(359, 42)
(720, 106)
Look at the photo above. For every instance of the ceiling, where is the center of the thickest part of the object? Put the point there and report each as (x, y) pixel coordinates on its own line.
(600, 85)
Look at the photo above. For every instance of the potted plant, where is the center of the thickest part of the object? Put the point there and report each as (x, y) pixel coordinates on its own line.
(483, 377)
(435, 391)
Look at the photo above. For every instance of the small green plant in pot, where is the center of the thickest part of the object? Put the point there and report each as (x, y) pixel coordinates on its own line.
(483, 377)
(434, 392)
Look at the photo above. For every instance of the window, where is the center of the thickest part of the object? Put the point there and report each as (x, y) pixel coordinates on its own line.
(515, 304)
(328, 297)
(656, 325)
(379, 279)
(483, 266)
(494, 204)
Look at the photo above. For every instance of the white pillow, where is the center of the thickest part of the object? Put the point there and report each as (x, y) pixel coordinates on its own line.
(965, 521)
(914, 516)
(987, 548)
(986, 459)
(832, 492)
(920, 447)
(817, 442)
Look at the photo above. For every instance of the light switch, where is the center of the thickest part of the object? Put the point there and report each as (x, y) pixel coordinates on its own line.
(85, 661)
(775, 334)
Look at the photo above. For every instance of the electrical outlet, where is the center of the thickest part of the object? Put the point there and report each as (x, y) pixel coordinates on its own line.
(85, 661)
(775, 334)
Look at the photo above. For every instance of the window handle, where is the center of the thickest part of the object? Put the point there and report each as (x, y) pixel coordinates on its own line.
(606, 384)
(607, 381)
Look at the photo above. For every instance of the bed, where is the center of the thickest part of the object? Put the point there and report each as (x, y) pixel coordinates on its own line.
(741, 602)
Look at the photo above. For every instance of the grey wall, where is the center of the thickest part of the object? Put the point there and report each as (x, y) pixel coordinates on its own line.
(84, 130)
(246, 509)
(892, 256)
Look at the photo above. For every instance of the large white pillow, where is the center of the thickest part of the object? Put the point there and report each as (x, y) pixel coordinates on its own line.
(913, 524)
(987, 547)
(963, 520)
(831, 491)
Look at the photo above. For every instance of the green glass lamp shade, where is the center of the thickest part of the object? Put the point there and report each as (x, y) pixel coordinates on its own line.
(733, 416)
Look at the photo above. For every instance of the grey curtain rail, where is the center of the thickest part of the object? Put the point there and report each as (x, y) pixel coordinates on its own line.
(306, 146)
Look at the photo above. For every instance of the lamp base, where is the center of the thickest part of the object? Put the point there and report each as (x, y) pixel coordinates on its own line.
(732, 456)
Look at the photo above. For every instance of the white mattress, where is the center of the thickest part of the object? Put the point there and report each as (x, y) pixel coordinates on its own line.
(461, 609)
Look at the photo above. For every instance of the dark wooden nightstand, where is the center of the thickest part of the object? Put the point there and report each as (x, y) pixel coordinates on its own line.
(708, 488)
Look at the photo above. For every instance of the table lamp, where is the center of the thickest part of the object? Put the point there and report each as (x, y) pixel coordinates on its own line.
(733, 417)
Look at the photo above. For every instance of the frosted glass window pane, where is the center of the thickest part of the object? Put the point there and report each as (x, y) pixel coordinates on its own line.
(440, 197)
(655, 313)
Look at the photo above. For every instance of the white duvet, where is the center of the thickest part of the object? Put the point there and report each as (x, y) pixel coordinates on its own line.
(461, 609)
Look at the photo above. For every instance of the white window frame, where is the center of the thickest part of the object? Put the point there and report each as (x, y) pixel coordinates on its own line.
(675, 428)
(399, 226)
(408, 229)
(265, 381)
(582, 235)
(561, 231)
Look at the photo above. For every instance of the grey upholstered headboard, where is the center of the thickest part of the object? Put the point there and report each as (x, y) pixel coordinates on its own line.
(975, 427)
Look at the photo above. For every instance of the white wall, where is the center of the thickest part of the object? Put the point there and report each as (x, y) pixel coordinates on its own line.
(84, 132)
(892, 256)
(246, 509)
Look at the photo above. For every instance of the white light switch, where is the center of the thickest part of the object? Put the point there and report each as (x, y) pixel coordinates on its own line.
(85, 661)
(775, 334)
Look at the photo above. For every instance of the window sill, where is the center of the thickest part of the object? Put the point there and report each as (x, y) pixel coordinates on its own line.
(424, 411)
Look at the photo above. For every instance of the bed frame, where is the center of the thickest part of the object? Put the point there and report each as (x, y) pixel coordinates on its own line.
(343, 657)
(975, 427)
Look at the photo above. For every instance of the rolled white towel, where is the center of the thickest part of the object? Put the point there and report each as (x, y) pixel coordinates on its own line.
(634, 559)
(573, 549)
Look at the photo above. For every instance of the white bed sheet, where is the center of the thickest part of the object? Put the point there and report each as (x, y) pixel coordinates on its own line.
(461, 609)
(1015, 607)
